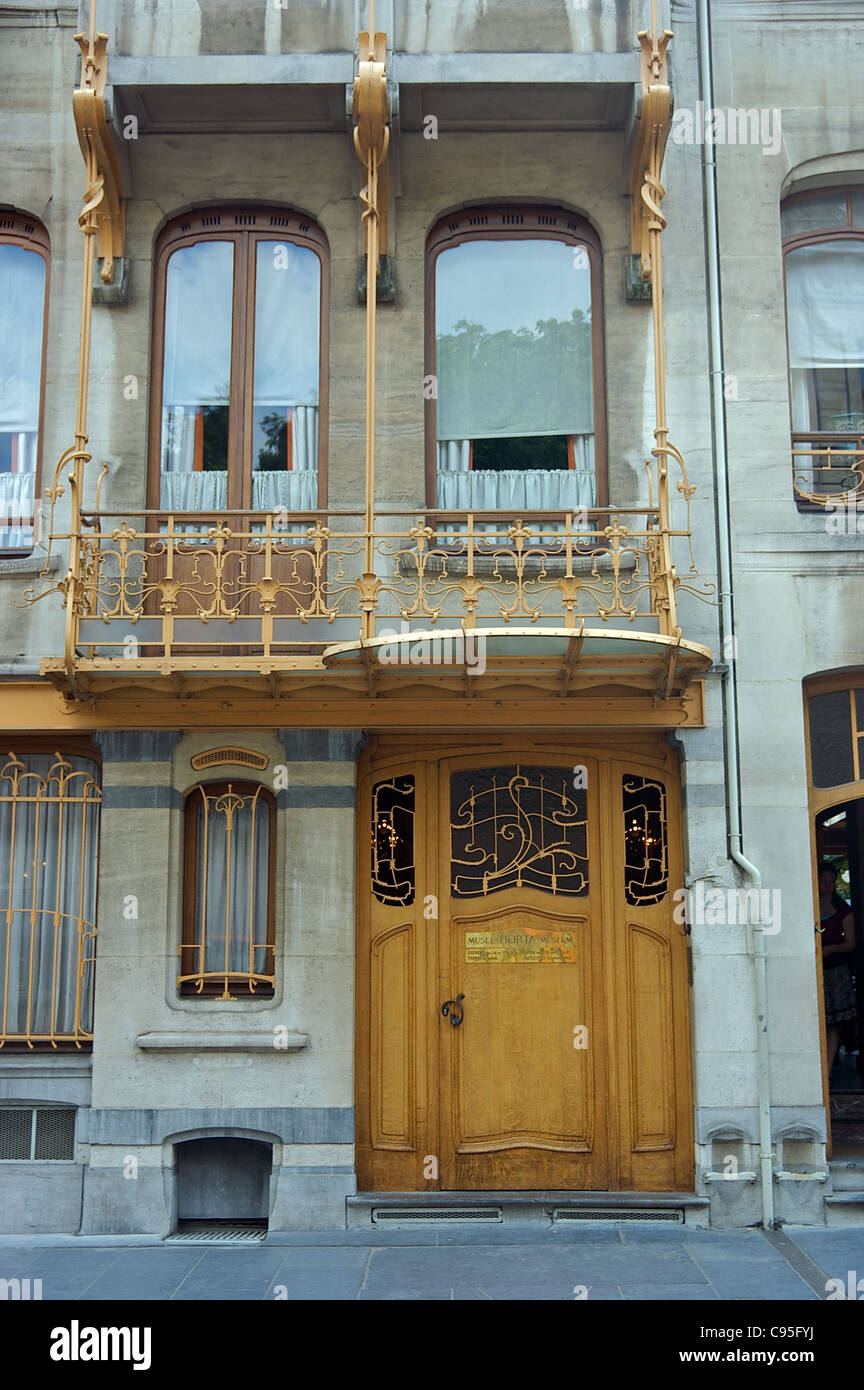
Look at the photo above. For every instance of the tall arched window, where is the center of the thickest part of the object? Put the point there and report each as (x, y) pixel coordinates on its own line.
(23, 313)
(823, 244)
(229, 880)
(515, 351)
(239, 401)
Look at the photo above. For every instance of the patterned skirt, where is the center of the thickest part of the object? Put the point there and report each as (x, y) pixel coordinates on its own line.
(839, 995)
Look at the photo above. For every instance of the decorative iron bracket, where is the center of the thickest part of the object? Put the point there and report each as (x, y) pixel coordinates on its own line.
(104, 211)
(646, 190)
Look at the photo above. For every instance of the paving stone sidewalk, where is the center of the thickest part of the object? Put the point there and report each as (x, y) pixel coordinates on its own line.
(610, 1262)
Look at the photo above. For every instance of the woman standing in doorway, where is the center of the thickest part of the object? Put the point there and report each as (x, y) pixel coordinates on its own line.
(837, 926)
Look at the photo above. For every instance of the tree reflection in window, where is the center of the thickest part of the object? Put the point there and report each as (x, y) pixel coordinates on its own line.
(646, 869)
(518, 827)
(393, 841)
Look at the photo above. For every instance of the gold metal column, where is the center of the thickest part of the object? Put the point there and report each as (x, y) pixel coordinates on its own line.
(371, 142)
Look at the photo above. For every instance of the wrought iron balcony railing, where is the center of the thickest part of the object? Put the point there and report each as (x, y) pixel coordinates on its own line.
(160, 592)
(827, 471)
(152, 585)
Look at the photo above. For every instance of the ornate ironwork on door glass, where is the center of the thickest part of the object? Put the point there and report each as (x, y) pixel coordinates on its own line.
(393, 841)
(646, 866)
(518, 827)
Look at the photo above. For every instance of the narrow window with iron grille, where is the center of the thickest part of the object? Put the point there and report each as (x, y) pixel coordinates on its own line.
(228, 946)
(49, 837)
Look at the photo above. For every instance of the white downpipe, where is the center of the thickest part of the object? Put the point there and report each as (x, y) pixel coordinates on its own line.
(755, 933)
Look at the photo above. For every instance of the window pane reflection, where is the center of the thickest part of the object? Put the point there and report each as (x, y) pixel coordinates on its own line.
(22, 307)
(197, 375)
(286, 386)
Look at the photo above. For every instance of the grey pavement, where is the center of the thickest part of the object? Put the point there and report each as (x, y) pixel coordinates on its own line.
(597, 1262)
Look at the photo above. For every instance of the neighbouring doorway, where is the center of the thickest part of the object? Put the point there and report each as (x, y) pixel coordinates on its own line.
(840, 843)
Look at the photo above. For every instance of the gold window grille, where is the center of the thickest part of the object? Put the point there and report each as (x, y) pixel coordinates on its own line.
(49, 843)
(228, 891)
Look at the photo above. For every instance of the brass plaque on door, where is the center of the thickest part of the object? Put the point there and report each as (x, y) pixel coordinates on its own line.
(524, 946)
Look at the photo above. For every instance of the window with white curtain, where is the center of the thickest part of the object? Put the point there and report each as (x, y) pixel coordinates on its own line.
(515, 403)
(49, 842)
(23, 299)
(228, 920)
(239, 418)
(823, 238)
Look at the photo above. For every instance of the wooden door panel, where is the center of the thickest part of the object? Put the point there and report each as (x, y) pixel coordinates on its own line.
(655, 1115)
(651, 1057)
(394, 1140)
(393, 1040)
(521, 1106)
(517, 1078)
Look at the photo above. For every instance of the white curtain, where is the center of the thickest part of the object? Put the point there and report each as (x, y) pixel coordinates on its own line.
(22, 306)
(825, 298)
(18, 500)
(515, 492)
(825, 309)
(48, 865)
(232, 883)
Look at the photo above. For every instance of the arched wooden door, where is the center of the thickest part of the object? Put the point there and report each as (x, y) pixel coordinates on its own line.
(522, 1012)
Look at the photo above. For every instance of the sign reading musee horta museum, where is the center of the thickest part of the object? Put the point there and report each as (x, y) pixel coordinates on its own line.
(524, 945)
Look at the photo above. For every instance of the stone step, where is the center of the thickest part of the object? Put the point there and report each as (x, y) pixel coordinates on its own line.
(845, 1209)
(494, 1209)
(847, 1174)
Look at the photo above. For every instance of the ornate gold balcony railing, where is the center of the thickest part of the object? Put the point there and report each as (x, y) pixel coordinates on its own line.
(157, 591)
(829, 473)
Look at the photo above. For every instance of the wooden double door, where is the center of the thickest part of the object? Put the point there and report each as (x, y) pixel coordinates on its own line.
(522, 985)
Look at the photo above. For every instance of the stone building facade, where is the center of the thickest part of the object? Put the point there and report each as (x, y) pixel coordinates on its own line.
(307, 1077)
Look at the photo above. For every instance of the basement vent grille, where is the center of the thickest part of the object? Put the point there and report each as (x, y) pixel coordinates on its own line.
(35, 1133)
(214, 757)
(219, 1232)
(615, 1214)
(436, 1214)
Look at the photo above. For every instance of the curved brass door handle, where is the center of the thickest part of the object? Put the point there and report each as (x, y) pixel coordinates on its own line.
(453, 1009)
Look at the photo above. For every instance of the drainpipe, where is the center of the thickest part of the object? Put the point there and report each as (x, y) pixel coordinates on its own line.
(755, 932)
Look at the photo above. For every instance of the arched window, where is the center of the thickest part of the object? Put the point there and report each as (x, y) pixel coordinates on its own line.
(23, 313)
(228, 903)
(239, 400)
(823, 244)
(515, 417)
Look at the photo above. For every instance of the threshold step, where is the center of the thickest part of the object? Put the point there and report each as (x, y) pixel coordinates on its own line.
(491, 1209)
(847, 1174)
(845, 1209)
(219, 1232)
